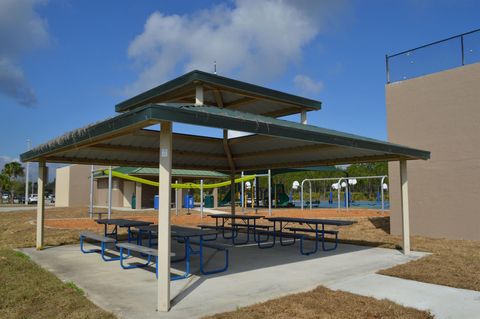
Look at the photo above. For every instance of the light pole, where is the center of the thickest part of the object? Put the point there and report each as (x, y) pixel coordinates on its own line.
(27, 176)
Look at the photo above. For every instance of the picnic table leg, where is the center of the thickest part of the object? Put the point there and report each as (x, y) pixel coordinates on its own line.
(281, 237)
(237, 231)
(256, 236)
(223, 230)
(132, 266)
(103, 254)
(187, 261)
(205, 272)
(316, 243)
(268, 236)
(185, 254)
(86, 251)
(323, 240)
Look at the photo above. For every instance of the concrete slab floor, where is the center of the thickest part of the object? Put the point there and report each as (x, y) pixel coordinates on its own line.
(254, 275)
(443, 302)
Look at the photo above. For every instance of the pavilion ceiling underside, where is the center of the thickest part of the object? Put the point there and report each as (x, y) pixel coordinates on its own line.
(196, 152)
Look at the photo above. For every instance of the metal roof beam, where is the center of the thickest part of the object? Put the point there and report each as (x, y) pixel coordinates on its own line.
(154, 150)
(116, 162)
(280, 151)
(328, 162)
(226, 147)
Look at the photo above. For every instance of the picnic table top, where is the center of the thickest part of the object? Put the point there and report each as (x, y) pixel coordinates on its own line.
(123, 222)
(236, 216)
(334, 222)
(179, 231)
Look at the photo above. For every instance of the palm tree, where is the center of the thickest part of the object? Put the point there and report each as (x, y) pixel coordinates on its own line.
(12, 171)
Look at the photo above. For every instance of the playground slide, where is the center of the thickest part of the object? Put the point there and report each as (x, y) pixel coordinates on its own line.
(283, 200)
(225, 200)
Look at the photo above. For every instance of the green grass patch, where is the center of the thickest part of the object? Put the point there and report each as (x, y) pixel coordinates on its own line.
(75, 288)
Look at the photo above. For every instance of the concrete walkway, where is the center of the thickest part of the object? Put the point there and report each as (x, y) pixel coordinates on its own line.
(443, 302)
(210, 211)
(254, 275)
(8, 209)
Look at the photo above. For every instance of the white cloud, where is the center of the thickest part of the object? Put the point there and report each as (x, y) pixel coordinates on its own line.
(252, 40)
(306, 84)
(21, 31)
(14, 84)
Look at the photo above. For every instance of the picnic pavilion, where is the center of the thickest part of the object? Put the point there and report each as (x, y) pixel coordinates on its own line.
(209, 100)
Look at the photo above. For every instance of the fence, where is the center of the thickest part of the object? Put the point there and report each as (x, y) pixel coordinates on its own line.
(437, 56)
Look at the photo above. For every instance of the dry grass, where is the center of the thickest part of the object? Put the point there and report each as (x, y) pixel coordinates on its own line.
(17, 229)
(28, 291)
(324, 303)
(454, 263)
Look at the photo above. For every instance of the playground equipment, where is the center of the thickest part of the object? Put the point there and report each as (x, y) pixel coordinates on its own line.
(175, 186)
(273, 195)
(309, 181)
(345, 183)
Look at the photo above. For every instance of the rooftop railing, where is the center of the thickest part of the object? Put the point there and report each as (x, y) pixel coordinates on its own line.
(437, 56)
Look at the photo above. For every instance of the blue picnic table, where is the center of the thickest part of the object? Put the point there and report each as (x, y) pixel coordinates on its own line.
(308, 225)
(237, 222)
(189, 237)
(119, 222)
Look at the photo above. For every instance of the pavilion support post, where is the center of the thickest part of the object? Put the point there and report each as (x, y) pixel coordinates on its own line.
(231, 163)
(201, 198)
(138, 195)
(42, 176)
(257, 191)
(383, 193)
(303, 117)
(90, 209)
(232, 193)
(405, 211)
(180, 194)
(270, 192)
(109, 192)
(242, 200)
(215, 197)
(164, 193)
(176, 199)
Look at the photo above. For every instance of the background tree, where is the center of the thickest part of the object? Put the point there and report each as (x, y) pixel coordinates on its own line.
(12, 171)
(4, 183)
(50, 187)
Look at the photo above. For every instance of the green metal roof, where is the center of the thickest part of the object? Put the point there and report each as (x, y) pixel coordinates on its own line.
(175, 172)
(303, 169)
(175, 90)
(276, 143)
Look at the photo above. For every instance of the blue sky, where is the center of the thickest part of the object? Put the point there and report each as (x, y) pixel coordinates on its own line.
(64, 64)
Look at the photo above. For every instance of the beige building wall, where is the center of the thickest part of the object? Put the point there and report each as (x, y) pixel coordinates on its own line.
(101, 192)
(441, 113)
(72, 186)
(62, 187)
(128, 191)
